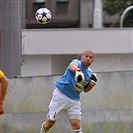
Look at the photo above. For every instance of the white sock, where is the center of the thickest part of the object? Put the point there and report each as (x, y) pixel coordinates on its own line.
(77, 131)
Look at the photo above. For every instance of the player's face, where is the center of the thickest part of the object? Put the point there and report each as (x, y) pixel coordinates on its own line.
(87, 58)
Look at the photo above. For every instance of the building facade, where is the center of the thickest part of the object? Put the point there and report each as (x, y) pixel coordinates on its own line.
(67, 13)
(48, 51)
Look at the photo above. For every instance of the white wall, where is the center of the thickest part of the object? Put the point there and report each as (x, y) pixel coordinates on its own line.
(48, 52)
(107, 108)
(112, 62)
(36, 65)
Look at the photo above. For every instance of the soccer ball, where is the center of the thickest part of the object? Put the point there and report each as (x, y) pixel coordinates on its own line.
(43, 15)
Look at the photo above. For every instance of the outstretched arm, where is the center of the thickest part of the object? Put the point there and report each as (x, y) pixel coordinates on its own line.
(3, 85)
(73, 67)
(79, 76)
(3, 89)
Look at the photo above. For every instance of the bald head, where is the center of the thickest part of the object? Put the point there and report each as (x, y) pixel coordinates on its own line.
(87, 58)
(88, 51)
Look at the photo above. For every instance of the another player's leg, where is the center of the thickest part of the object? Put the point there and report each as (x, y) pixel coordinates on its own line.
(46, 126)
(1, 103)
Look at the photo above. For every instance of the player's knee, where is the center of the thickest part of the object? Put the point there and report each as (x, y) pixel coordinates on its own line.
(75, 125)
(47, 125)
(44, 129)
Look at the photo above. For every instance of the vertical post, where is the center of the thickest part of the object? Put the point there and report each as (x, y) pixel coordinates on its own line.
(98, 14)
(10, 37)
(84, 14)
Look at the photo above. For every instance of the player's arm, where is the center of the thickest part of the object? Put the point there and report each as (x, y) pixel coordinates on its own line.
(79, 76)
(3, 85)
(73, 67)
(89, 86)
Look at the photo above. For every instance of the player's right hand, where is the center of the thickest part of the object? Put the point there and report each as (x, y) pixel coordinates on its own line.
(79, 76)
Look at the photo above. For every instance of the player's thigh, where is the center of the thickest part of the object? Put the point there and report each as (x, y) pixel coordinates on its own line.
(74, 112)
(56, 106)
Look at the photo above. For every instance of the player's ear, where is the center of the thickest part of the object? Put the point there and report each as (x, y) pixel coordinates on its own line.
(81, 56)
(93, 59)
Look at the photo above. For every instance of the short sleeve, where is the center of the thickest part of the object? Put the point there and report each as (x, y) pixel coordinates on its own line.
(75, 61)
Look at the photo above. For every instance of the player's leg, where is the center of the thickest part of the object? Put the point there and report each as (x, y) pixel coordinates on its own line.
(46, 126)
(56, 106)
(77, 131)
(74, 115)
(1, 103)
(76, 125)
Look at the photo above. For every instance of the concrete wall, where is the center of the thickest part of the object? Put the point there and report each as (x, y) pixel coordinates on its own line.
(105, 109)
(74, 41)
(48, 52)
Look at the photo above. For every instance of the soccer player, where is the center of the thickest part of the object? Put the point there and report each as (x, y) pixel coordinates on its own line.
(78, 77)
(3, 90)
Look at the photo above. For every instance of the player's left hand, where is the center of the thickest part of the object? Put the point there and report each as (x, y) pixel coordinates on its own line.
(93, 80)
